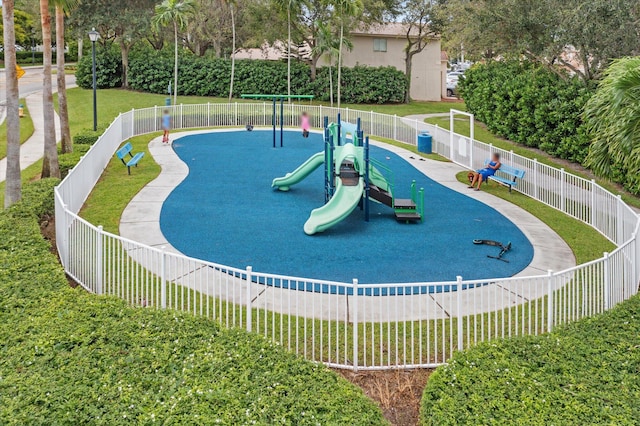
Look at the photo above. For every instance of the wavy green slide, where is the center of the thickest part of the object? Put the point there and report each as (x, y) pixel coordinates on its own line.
(305, 169)
(344, 200)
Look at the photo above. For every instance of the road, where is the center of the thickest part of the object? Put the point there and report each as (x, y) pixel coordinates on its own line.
(30, 83)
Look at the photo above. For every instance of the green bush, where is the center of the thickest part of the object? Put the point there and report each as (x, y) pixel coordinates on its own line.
(68, 357)
(108, 69)
(530, 105)
(26, 57)
(88, 136)
(69, 160)
(587, 372)
(151, 71)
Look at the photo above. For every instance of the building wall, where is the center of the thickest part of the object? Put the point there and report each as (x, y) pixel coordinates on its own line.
(426, 79)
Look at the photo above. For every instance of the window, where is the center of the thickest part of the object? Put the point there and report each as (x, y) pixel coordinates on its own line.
(379, 44)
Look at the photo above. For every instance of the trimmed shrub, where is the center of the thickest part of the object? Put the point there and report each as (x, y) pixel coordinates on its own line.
(108, 69)
(529, 104)
(69, 160)
(151, 71)
(586, 372)
(68, 357)
(88, 136)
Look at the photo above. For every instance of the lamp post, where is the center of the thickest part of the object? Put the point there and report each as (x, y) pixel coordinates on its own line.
(94, 36)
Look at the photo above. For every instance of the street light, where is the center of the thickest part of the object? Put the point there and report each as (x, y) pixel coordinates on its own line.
(94, 36)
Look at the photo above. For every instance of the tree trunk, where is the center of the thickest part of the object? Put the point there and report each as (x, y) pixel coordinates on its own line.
(12, 191)
(175, 63)
(233, 52)
(50, 166)
(124, 53)
(408, 66)
(63, 111)
(331, 82)
(80, 47)
(289, 50)
(314, 68)
(340, 63)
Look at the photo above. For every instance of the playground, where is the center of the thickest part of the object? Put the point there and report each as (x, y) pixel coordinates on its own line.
(227, 212)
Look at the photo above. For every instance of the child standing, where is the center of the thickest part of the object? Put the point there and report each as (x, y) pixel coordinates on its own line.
(305, 124)
(166, 125)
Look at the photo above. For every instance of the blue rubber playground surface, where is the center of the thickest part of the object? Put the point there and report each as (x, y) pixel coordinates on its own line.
(226, 212)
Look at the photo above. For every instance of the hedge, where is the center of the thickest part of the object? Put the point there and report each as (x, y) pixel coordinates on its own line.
(529, 104)
(26, 56)
(151, 71)
(68, 357)
(587, 372)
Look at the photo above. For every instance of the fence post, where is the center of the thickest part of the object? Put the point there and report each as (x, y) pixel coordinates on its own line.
(208, 114)
(236, 113)
(562, 179)
(249, 313)
(459, 310)
(593, 203)
(99, 260)
(606, 281)
(163, 283)
(620, 238)
(451, 135)
(536, 195)
(355, 324)
(415, 140)
(155, 118)
(133, 121)
(395, 127)
(181, 116)
(549, 300)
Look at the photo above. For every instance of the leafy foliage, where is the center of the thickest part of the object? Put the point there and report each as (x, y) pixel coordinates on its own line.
(530, 105)
(613, 122)
(151, 71)
(582, 373)
(68, 357)
(108, 69)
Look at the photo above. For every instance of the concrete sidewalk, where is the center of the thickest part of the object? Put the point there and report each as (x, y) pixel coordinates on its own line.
(33, 149)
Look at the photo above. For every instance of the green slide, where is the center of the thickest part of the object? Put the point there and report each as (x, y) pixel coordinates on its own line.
(344, 200)
(305, 169)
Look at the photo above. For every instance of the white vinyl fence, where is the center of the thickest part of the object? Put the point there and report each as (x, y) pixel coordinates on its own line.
(362, 328)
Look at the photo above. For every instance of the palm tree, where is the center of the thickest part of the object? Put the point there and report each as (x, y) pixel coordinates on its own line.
(612, 117)
(327, 45)
(345, 9)
(176, 13)
(289, 4)
(50, 166)
(233, 48)
(13, 184)
(62, 8)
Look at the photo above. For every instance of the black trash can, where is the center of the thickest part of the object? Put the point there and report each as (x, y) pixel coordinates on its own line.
(425, 142)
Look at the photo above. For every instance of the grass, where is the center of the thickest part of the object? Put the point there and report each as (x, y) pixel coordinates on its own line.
(587, 243)
(105, 206)
(26, 130)
(484, 135)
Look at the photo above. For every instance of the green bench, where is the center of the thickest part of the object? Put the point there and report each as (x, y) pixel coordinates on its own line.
(506, 175)
(133, 161)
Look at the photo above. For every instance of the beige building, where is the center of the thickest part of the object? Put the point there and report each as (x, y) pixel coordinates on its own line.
(382, 45)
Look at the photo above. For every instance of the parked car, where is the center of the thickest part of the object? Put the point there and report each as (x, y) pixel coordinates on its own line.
(452, 83)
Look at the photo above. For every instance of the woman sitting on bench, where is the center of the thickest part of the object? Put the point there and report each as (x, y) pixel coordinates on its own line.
(476, 178)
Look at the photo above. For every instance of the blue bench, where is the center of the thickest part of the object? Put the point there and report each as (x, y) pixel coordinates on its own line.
(133, 161)
(506, 175)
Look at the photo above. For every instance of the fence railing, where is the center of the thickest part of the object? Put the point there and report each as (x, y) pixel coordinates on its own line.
(365, 328)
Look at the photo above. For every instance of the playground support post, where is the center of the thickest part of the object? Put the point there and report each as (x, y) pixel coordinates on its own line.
(326, 158)
(359, 132)
(281, 120)
(339, 129)
(273, 122)
(366, 178)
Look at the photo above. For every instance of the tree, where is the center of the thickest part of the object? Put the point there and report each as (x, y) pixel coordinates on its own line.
(175, 13)
(50, 166)
(420, 28)
(345, 9)
(233, 48)
(23, 25)
(328, 45)
(290, 6)
(62, 7)
(13, 183)
(612, 117)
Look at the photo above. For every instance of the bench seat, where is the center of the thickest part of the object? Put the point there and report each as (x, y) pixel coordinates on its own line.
(506, 175)
(133, 161)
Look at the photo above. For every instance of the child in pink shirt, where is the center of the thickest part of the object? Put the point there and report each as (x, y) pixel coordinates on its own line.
(305, 123)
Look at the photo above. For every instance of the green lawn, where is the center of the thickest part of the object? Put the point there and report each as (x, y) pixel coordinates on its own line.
(484, 135)
(26, 130)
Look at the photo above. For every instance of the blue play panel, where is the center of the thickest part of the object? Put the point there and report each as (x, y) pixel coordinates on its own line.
(226, 212)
